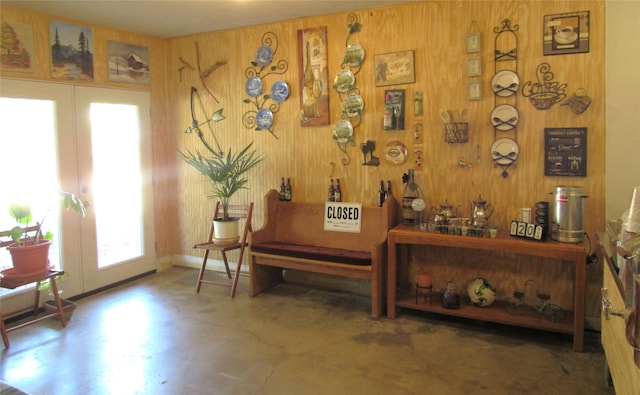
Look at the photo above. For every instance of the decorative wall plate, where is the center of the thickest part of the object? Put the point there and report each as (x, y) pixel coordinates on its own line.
(505, 83)
(352, 105)
(264, 55)
(344, 81)
(254, 87)
(280, 91)
(343, 131)
(264, 119)
(505, 117)
(354, 55)
(396, 153)
(504, 151)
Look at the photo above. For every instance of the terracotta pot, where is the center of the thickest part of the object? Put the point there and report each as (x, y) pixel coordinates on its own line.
(226, 232)
(424, 280)
(32, 258)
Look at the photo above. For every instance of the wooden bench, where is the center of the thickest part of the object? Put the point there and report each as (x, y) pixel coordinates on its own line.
(293, 237)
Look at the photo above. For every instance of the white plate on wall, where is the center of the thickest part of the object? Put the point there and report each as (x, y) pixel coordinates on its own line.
(505, 117)
(504, 151)
(352, 106)
(396, 153)
(505, 83)
(344, 81)
(343, 131)
(353, 55)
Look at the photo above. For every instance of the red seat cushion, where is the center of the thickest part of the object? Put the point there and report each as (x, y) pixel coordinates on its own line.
(328, 254)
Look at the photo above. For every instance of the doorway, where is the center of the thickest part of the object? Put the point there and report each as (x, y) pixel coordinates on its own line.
(96, 143)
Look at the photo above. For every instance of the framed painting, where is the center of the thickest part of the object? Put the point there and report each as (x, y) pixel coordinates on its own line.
(566, 33)
(395, 68)
(71, 51)
(472, 42)
(17, 47)
(474, 90)
(474, 66)
(128, 63)
(314, 80)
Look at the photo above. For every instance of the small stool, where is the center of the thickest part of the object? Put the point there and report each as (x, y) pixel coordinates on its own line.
(424, 291)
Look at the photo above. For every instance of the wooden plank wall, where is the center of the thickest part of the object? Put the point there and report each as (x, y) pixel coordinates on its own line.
(435, 31)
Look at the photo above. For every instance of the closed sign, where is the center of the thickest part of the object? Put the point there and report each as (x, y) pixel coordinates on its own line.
(342, 217)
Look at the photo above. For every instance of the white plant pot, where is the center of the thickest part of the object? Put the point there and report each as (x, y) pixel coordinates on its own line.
(226, 232)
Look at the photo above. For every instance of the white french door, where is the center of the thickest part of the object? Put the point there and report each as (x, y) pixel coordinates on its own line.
(95, 142)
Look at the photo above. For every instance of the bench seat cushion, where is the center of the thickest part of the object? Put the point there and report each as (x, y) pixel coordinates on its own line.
(328, 254)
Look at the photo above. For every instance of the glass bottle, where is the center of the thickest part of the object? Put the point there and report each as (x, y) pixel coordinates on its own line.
(337, 194)
(387, 120)
(287, 191)
(409, 193)
(389, 192)
(417, 103)
(382, 194)
(331, 195)
(450, 298)
(282, 189)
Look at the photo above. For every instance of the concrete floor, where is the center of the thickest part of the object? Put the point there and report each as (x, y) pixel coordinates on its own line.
(157, 336)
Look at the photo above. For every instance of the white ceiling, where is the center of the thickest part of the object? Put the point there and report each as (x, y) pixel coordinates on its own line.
(174, 18)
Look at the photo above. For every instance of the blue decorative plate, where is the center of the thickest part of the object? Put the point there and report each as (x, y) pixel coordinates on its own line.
(254, 86)
(264, 55)
(280, 91)
(264, 119)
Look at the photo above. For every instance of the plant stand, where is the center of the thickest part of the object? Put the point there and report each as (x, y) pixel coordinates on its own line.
(12, 281)
(67, 307)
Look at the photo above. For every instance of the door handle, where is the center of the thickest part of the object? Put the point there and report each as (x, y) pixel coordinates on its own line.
(607, 309)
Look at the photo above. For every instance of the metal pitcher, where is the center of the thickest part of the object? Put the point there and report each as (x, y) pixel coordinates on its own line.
(481, 211)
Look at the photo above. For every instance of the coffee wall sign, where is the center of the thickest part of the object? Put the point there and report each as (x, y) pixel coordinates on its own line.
(566, 33)
(565, 151)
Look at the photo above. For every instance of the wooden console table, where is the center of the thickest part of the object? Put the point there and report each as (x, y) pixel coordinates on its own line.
(14, 283)
(403, 235)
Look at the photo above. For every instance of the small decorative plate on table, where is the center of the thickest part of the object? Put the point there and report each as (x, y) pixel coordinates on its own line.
(504, 151)
(253, 87)
(264, 119)
(395, 153)
(344, 81)
(343, 131)
(505, 117)
(264, 55)
(352, 106)
(280, 91)
(505, 83)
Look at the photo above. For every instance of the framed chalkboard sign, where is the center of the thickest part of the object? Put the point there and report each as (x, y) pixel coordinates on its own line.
(565, 151)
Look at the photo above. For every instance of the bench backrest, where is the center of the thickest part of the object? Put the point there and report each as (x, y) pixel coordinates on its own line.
(303, 223)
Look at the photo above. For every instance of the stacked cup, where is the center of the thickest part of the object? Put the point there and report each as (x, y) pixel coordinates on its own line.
(632, 223)
(542, 216)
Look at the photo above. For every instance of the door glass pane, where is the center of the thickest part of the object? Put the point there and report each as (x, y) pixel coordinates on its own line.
(117, 185)
(28, 163)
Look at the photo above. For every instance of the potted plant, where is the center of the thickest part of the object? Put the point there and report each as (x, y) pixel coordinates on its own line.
(30, 253)
(227, 175)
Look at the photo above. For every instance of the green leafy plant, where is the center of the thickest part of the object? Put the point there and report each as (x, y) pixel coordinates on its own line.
(22, 215)
(227, 174)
